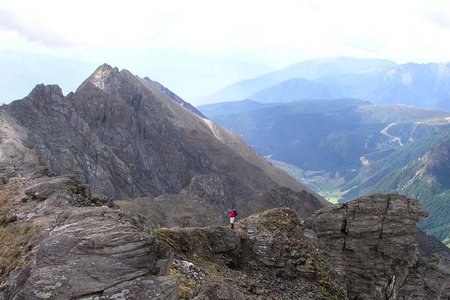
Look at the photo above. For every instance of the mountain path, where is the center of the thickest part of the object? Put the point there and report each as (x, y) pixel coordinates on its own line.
(394, 138)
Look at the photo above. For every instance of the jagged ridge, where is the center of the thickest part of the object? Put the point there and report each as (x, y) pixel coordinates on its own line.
(126, 138)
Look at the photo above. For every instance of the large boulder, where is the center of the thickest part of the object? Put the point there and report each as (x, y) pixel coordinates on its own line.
(371, 243)
(78, 250)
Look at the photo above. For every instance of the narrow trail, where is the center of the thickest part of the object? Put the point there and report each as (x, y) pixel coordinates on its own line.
(394, 138)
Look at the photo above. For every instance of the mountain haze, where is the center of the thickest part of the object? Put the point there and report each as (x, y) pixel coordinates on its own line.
(292, 90)
(309, 70)
(420, 85)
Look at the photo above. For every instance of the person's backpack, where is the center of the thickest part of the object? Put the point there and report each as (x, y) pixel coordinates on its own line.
(235, 212)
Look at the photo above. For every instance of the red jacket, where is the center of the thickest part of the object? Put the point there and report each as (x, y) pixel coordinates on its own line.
(231, 214)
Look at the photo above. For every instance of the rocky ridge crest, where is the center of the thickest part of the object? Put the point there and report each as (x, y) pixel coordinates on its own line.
(365, 249)
(128, 137)
(60, 242)
(79, 246)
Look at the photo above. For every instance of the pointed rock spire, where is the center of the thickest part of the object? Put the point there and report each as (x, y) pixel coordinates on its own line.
(43, 91)
(100, 77)
(46, 95)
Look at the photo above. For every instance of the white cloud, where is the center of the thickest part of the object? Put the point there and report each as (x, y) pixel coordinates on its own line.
(9, 21)
(169, 39)
(402, 30)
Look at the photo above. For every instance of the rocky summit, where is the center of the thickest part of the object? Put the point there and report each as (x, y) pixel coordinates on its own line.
(106, 193)
(127, 137)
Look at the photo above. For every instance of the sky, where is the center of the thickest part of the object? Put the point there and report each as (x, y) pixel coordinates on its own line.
(196, 47)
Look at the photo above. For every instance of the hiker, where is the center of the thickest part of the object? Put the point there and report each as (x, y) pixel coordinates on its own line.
(232, 215)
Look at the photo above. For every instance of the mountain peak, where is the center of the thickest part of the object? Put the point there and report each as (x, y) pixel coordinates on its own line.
(101, 74)
(41, 91)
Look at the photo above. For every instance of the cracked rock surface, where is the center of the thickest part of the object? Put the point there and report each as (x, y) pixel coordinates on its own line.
(371, 243)
(81, 249)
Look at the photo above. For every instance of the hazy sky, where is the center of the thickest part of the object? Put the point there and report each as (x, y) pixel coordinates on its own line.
(221, 41)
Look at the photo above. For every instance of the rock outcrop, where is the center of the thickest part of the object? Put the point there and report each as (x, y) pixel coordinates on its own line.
(69, 245)
(279, 197)
(74, 245)
(364, 249)
(372, 244)
(265, 257)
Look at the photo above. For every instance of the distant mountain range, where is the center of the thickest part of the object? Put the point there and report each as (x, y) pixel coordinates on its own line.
(291, 90)
(378, 81)
(309, 70)
(347, 148)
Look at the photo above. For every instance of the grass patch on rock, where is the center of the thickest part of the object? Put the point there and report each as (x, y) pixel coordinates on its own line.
(165, 235)
(14, 235)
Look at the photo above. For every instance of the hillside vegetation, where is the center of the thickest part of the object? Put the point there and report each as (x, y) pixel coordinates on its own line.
(348, 148)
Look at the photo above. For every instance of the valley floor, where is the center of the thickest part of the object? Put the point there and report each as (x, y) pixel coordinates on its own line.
(325, 184)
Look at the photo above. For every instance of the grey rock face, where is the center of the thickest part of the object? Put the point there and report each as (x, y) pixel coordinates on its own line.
(43, 190)
(266, 256)
(206, 241)
(208, 198)
(371, 243)
(279, 197)
(268, 234)
(214, 188)
(364, 249)
(219, 290)
(429, 246)
(430, 279)
(150, 287)
(83, 251)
